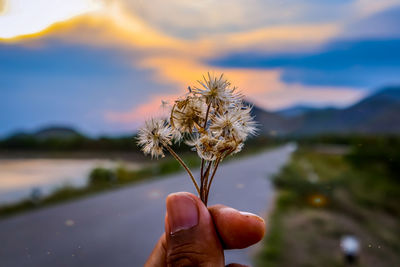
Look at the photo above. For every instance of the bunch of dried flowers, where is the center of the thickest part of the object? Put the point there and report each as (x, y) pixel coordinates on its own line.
(211, 118)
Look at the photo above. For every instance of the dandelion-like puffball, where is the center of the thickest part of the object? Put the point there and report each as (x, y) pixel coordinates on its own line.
(154, 136)
(236, 123)
(216, 91)
(246, 121)
(227, 126)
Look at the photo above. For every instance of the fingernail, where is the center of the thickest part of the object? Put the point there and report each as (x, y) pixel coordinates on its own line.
(182, 212)
(248, 214)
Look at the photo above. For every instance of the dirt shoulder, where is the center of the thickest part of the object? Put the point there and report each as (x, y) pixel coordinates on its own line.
(322, 197)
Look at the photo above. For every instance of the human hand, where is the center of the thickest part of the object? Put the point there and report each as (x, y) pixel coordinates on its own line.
(197, 236)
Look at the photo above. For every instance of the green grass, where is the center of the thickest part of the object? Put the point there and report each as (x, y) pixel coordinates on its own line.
(322, 197)
(272, 253)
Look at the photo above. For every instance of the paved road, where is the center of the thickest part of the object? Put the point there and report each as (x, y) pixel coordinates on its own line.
(119, 228)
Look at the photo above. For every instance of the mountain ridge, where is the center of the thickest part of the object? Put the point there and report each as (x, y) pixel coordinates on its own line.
(378, 113)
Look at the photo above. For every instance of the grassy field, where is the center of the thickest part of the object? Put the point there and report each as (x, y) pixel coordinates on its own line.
(323, 196)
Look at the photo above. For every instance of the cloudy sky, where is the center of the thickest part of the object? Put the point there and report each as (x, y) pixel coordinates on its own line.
(103, 66)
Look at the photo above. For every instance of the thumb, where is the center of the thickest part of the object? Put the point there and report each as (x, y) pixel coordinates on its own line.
(190, 234)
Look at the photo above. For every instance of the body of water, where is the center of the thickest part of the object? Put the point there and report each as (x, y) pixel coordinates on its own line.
(20, 177)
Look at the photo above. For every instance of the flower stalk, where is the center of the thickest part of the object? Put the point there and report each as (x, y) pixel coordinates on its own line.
(212, 119)
(184, 166)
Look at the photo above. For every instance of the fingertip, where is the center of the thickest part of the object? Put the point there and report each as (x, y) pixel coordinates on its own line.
(253, 216)
(171, 196)
(237, 229)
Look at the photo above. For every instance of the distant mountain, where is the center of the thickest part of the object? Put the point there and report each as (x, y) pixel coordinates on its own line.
(58, 132)
(296, 111)
(376, 114)
(272, 123)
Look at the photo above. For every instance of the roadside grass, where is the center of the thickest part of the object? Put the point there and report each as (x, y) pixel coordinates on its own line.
(103, 179)
(322, 197)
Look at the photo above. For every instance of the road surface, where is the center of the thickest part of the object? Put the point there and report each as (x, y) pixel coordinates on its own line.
(120, 228)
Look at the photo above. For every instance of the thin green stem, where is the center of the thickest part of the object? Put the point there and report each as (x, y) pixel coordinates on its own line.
(184, 166)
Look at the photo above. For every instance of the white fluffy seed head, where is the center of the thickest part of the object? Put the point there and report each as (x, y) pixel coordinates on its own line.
(216, 91)
(154, 136)
(227, 126)
(245, 120)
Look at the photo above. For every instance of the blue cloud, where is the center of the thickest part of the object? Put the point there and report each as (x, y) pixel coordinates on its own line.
(382, 24)
(68, 84)
(367, 55)
(358, 63)
(60, 59)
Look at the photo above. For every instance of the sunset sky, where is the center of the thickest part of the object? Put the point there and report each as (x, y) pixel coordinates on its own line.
(103, 66)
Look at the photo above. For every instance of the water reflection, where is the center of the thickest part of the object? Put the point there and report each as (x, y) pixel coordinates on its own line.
(18, 177)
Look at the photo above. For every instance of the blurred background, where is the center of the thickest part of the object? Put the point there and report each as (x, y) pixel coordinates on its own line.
(78, 77)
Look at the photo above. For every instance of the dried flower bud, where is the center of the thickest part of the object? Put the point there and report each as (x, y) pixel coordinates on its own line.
(206, 147)
(188, 114)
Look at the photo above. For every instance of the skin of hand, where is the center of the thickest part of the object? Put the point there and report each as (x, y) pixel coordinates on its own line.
(197, 236)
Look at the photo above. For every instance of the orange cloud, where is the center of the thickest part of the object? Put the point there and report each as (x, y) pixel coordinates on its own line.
(281, 38)
(266, 89)
(262, 87)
